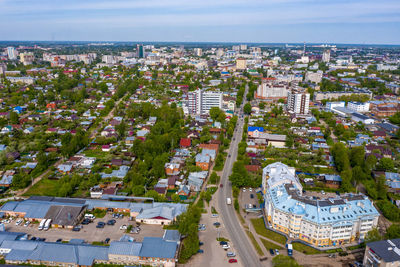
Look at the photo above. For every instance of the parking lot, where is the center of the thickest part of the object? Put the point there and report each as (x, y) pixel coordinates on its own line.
(89, 232)
(245, 198)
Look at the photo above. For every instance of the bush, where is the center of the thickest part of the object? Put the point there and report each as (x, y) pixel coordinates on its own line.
(389, 210)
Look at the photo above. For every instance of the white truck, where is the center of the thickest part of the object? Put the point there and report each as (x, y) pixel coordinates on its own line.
(41, 225)
(228, 201)
(47, 225)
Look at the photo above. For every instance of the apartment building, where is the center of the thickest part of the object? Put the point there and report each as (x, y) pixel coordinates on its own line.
(358, 106)
(200, 101)
(384, 253)
(298, 102)
(318, 222)
(270, 89)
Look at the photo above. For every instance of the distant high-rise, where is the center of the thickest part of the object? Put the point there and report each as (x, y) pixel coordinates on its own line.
(198, 52)
(11, 53)
(298, 102)
(200, 101)
(243, 47)
(326, 56)
(140, 51)
(26, 58)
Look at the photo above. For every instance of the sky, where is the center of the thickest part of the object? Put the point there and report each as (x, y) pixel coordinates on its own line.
(265, 21)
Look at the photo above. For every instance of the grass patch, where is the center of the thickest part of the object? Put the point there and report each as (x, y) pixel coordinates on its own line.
(269, 245)
(97, 153)
(259, 226)
(222, 239)
(98, 213)
(44, 187)
(362, 245)
(213, 210)
(305, 249)
(212, 189)
(255, 244)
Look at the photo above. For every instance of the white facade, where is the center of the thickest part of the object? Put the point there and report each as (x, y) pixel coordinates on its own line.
(314, 77)
(325, 222)
(200, 102)
(269, 90)
(358, 106)
(332, 105)
(298, 102)
(326, 56)
(198, 52)
(11, 53)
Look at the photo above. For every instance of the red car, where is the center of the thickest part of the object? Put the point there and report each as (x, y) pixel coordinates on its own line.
(232, 260)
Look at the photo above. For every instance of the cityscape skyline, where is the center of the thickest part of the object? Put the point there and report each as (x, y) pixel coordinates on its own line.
(283, 21)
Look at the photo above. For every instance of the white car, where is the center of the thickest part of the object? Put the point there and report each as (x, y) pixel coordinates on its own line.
(27, 223)
(226, 247)
(19, 221)
(250, 190)
(123, 227)
(214, 215)
(244, 189)
(5, 221)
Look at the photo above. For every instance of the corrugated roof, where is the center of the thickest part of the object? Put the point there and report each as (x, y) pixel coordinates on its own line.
(156, 247)
(125, 248)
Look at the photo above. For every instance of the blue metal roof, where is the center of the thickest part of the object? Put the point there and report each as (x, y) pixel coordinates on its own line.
(156, 247)
(125, 248)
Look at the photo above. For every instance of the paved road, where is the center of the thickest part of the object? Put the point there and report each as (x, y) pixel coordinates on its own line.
(244, 249)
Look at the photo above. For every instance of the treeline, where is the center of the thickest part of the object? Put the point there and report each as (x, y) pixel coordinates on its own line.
(154, 152)
(70, 144)
(240, 94)
(188, 227)
(355, 168)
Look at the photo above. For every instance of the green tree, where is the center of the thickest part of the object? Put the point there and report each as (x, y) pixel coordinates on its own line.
(247, 108)
(385, 164)
(373, 235)
(393, 231)
(14, 118)
(357, 156)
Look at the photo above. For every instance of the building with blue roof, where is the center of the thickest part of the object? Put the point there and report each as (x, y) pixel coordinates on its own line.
(318, 222)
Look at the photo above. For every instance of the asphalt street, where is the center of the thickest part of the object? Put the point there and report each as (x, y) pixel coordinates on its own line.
(244, 248)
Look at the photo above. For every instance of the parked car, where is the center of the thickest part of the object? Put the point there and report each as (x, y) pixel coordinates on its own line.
(226, 247)
(19, 221)
(276, 252)
(111, 222)
(6, 221)
(59, 240)
(221, 185)
(27, 223)
(86, 221)
(200, 251)
(77, 229)
(251, 196)
(250, 190)
(271, 251)
(214, 215)
(107, 240)
(123, 227)
(100, 225)
(230, 254)
(244, 189)
(201, 243)
(232, 260)
(33, 238)
(223, 243)
(217, 224)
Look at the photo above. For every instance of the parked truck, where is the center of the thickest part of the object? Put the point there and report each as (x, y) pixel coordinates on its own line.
(41, 225)
(47, 225)
(228, 201)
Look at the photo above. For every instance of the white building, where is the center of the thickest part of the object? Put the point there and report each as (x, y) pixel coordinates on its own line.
(11, 53)
(200, 101)
(26, 58)
(319, 222)
(326, 56)
(314, 77)
(270, 89)
(358, 106)
(298, 102)
(108, 59)
(332, 105)
(198, 52)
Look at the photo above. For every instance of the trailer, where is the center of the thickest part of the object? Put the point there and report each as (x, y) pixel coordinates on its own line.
(41, 225)
(47, 225)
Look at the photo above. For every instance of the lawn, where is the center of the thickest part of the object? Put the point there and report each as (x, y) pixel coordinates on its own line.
(305, 249)
(44, 187)
(269, 245)
(97, 153)
(259, 226)
(98, 213)
(255, 244)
